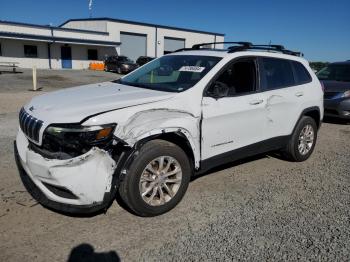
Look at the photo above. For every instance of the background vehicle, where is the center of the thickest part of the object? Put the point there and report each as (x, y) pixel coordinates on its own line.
(120, 64)
(143, 60)
(336, 81)
(144, 135)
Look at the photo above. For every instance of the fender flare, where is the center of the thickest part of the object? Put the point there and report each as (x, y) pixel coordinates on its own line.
(304, 112)
(194, 144)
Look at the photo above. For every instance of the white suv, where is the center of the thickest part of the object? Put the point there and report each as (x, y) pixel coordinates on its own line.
(144, 136)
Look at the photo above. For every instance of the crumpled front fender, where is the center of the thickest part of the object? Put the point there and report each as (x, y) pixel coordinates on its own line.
(151, 122)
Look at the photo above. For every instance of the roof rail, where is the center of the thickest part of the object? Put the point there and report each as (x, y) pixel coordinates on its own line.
(275, 48)
(198, 46)
(242, 46)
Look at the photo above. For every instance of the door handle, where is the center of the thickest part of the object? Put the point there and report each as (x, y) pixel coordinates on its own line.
(256, 102)
(299, 94)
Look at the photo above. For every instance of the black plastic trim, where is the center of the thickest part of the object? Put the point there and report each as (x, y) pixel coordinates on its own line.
(60, 191)
(243, 152)
(308, 110)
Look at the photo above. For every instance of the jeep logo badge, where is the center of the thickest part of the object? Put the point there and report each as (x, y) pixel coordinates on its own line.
(31, 108)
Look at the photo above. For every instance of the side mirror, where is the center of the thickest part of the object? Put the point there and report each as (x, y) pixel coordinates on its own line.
(218, 90)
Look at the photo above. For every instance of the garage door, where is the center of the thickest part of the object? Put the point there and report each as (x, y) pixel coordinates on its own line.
(133, 45)
(172, 44)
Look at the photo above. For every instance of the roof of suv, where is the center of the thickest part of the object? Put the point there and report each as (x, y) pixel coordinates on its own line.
(224, 53)
(241, 48)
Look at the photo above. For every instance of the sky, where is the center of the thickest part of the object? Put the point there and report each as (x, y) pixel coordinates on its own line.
(320, 29)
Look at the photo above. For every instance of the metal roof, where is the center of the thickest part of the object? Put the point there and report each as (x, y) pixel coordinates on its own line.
(54, 27)
(141, 23)
(55, 39)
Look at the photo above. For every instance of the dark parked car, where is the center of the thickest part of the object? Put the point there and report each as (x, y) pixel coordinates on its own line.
(120, 64)
(336, 81)
(143, 60)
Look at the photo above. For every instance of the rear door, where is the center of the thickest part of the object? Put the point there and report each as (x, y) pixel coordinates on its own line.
(282, 95)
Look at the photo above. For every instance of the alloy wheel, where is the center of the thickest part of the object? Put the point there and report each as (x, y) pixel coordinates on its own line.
(160, 180)
(306, 139)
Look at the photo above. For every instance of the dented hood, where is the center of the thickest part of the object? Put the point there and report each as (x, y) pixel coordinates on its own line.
(72, 105)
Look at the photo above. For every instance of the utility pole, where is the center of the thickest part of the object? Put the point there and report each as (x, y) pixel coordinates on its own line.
(90, 8)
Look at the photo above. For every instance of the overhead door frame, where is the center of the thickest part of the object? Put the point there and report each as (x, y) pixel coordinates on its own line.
(132, 34)
(173, 38)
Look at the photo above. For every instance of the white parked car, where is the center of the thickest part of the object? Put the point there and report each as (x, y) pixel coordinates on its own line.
(144, 136)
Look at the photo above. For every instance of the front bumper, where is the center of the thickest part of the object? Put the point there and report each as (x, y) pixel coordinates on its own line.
(337, 108)
(78, 185)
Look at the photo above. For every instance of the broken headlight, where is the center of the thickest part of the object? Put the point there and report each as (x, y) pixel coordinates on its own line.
(77, 139)
(89, 134)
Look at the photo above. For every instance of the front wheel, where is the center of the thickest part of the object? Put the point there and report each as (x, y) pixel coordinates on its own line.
(303, 140)
(157, 179)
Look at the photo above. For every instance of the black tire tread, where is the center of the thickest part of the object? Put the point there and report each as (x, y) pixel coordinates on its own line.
(290, 153)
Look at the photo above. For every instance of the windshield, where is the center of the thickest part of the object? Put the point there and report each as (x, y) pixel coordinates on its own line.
(335, 72)
(174, 73)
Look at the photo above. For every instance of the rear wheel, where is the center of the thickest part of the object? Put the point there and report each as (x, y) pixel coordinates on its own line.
(157, 179)
(303, 140)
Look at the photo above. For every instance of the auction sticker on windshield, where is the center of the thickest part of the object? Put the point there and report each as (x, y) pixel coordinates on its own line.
(195, 69)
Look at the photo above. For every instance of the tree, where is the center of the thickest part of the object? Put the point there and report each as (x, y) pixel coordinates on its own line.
(317, 66)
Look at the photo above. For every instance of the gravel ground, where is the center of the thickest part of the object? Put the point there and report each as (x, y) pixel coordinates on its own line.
(262, 208)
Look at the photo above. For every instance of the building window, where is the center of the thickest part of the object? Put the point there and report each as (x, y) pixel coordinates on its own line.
(30, 51)
(92, 54)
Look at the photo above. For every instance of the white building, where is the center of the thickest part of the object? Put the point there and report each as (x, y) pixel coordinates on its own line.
(77, 42)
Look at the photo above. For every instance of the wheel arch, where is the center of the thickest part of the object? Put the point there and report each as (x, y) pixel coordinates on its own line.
(313, 112)
(178, 138)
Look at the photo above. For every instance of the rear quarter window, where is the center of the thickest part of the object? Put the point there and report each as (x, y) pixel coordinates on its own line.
(302, 76)
(277, 73)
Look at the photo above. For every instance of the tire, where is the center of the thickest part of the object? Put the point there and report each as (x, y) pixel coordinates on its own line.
(294, 150)
(149, 156)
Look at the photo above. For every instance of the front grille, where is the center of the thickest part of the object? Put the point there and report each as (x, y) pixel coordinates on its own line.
(30, 125)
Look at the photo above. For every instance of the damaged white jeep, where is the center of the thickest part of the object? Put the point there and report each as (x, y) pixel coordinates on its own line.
(143, 137)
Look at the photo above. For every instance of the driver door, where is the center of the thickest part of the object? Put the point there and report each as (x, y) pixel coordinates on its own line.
(233, 109)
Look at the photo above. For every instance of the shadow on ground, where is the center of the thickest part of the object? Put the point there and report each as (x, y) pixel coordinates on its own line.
(86, 253)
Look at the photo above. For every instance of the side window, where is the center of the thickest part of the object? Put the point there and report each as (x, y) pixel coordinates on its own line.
(278, 73)
(302, 76)
(30, 51)
(239, 78)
